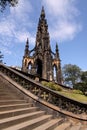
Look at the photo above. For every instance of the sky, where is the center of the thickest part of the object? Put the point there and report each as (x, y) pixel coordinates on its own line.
(67, 26)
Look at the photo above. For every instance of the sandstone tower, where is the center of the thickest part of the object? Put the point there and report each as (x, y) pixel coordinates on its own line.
(43, 62)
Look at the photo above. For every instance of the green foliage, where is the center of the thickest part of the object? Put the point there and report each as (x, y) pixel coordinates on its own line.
(85, 93)
(75, 96)
(71, 74)
(44, 83)
(4, 3)
(52, 86)
(77, 91)
(84, 77)
(82, 87)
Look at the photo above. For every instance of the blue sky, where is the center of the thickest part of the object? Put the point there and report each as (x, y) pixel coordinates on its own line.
(67, 25)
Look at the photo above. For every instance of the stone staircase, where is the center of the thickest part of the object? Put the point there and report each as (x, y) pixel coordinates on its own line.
(20, 113)
(17, 113)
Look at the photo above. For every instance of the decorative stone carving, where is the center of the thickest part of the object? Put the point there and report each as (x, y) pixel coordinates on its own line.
(43, 59)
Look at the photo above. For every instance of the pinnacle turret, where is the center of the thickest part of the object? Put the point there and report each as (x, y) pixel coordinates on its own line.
(27, 43)
(42, 61)
(57, 51)
(27, 48)
(42, 37)
(42, 13)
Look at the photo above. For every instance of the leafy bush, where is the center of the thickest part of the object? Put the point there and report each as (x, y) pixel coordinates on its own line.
(52, 86)
(77, 91)
(57, 87)
(82, 87)
(85, 93)
(44, 83)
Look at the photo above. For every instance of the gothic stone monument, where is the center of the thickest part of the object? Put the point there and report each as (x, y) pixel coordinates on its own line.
(43, 61)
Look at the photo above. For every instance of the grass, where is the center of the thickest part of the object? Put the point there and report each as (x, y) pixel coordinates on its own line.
(78, 97)
(73, 94)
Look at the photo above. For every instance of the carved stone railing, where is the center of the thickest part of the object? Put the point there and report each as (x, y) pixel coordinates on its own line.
(45, 93)
(30, 75)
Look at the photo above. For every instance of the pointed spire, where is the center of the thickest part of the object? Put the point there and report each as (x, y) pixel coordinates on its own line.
(56, 47)
(27, 43)
(42, 13)
(27, 48)
(57, 51)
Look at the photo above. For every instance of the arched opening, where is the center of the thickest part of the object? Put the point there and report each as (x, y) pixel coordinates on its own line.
(39, 67)
(25, 62)
(54, 72)
(29, 67)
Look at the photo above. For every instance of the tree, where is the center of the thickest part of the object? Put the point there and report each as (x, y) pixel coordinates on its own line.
(84, 76)
(71, 74)
(4, 3)
(82, 85)
(1, 57)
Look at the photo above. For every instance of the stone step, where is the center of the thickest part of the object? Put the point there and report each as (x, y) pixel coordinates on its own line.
(17, 114)
(6, 93)
(8, 102)
(31, 124)
(4, 123)
(50, 125)
(11, 113)
(2, 86)
(84, 127)
(76, 126)
(4, 89)
(63, 126)
(8, 98)
(7, 90)
(15, 106)
(3, 92)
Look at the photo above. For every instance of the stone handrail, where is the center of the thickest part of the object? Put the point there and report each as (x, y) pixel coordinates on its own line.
(40, 79)
(63, 102)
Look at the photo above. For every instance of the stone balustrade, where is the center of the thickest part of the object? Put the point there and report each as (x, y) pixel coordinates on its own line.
(45, 93)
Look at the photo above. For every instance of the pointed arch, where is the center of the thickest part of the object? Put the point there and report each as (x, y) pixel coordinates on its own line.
(29, 66)
(25, 62)
(39, 67)
(54, 72)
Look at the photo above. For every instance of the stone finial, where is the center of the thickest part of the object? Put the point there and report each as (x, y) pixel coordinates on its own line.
(42, 12)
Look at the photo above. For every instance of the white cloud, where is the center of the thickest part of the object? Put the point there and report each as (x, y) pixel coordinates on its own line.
(5, 50)
(62, 14)
(61, 8)
(21, 10)
(7, 27)
(17, 21)
(62, 18)
(65, 31)
(14, 27)
(22, 37)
